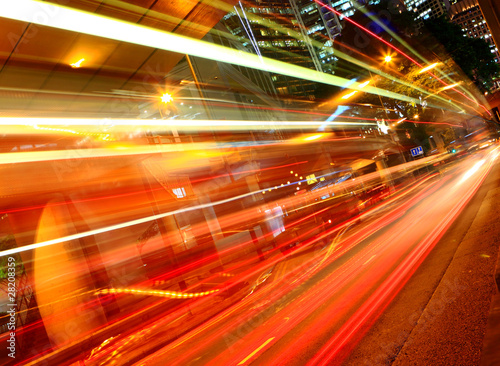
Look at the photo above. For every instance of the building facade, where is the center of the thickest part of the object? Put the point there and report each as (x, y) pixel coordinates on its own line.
(470, 17)
(299, 32)
(427, 9)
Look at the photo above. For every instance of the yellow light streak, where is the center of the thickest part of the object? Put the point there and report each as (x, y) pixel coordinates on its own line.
(77, 64)
(362, 85)
(347, 96)
(97, 126)
(256, 350)
(451, 86)
(430, 67)
(79, 21)
(170, 294)
(313, 137)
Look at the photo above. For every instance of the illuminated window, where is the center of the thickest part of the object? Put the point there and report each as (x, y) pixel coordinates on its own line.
(179, 192)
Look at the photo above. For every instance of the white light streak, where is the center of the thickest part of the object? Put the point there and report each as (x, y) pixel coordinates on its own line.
(93, 24)
(472, 170)
(121, 225)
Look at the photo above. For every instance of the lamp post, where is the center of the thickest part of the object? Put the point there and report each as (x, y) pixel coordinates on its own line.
(167, 98)
(388, 59)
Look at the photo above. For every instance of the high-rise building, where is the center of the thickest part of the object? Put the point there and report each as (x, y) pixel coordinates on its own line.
(491, 13)
(467, 14)
(300, 32)
(427, 9)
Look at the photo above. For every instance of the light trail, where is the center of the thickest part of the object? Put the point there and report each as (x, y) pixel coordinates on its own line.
(274, 293)
(321, 4)
(319, 45)
(126, 224)
(21, 209)
(165, 125)
(399, 51)
(122, 225)
(277, 332)
(100, 26)
(144, 292)
(394, 282)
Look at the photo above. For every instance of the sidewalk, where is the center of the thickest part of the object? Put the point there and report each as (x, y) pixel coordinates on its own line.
(491, 345)
(452, 327)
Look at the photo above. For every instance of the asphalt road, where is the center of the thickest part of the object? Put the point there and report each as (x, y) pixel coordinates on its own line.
(392, 290)
(439, 318)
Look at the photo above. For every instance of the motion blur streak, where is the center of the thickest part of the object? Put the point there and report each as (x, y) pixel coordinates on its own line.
(378, 271)
(221, 182)
(388, 290)
(166, 125)
(78, 21)
(402, 53)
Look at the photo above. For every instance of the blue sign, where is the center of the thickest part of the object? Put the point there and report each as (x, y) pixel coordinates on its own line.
(416, 151)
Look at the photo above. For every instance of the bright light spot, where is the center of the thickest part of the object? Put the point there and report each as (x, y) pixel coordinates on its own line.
(349, 95)
(472, 170)
(416, 116)
(298, 188)
(383, 127)
(313, 137)
(77, 64)
(428, 67)
(166, 98)
(451, 86)
(291, 171)
(362, 85)
(388, 59)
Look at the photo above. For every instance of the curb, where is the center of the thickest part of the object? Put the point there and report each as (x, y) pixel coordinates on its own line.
(497, 273)
(490, 354)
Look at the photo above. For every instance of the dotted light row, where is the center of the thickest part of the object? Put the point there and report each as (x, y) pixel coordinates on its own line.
(171, 294)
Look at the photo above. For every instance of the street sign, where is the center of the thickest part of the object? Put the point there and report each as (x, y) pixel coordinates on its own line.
(416, 151)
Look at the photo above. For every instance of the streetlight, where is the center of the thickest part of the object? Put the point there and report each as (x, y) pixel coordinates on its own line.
(166, 98)
(388, 58)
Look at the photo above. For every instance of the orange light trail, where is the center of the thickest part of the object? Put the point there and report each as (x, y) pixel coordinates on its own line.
(398, 50)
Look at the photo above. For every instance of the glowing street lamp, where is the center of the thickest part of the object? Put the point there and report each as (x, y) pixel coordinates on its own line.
(388, 58)
(166, 98)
